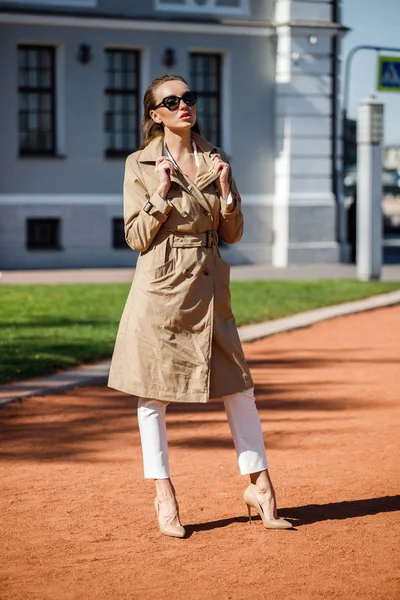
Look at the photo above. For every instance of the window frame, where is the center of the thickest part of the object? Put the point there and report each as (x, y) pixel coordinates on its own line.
(211, 9)
(56, 245)
(210, 94)
(38, 90)
(122, 153)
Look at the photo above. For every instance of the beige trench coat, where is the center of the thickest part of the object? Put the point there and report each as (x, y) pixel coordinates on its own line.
(177, 338)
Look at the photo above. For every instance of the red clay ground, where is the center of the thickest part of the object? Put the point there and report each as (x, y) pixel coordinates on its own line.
(78, 520)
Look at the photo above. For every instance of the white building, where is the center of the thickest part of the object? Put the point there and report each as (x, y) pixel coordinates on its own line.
(73, 74)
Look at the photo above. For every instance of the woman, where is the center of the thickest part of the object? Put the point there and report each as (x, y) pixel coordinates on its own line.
(177, 339)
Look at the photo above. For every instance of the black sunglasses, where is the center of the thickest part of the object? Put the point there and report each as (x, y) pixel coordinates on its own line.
(172, 102)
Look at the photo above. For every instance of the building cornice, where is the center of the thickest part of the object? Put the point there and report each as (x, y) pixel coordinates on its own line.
(216, 27)
(307, 27)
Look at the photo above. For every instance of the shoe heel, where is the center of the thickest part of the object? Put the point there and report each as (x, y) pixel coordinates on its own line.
(249, 511)
(251, 501)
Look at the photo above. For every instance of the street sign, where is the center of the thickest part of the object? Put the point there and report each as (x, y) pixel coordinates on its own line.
(389, 74)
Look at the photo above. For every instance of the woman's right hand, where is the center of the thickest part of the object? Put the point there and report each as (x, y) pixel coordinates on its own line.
(165, 169)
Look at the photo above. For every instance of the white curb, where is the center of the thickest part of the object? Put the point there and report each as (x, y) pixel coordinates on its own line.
(250, 333)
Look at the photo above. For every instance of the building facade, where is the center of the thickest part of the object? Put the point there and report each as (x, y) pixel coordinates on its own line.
(73, 74)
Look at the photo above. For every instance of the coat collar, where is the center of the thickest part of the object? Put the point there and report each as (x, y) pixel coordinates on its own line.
(206, 173)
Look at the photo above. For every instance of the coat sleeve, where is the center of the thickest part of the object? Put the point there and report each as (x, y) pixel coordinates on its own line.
(143, 215)
(230, 228)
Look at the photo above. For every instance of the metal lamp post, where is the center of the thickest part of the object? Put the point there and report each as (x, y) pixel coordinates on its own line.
(369, 188)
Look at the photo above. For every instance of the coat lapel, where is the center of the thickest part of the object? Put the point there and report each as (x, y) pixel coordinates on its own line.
(206, 173)
(148, 157)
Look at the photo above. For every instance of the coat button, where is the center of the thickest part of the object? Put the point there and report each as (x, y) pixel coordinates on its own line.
(184, 214)
(185, 271)
(206, 272)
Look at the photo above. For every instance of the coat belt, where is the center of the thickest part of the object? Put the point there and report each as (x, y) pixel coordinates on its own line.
(195, 240)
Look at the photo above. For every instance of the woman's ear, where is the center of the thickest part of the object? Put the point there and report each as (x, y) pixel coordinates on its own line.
(155, 116)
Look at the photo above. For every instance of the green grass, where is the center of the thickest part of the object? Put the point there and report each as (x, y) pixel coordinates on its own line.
(256, 301)
(45, 328)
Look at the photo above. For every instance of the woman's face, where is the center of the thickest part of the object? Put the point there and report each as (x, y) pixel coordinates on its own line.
(184, 117)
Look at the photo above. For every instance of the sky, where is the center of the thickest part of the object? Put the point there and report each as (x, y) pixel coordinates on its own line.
(373, 22)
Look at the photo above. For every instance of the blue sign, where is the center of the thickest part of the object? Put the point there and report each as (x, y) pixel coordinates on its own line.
(389, 74)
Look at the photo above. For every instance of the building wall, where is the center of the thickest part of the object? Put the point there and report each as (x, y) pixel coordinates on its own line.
(86, 235)
(305, 202)
(254, 10)
(31, 186)
(81, 166)
(278, 127)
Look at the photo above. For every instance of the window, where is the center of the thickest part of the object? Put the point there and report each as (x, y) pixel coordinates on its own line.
(43, 234)
(36, 100)
(205, 79)
(118, 234)
(122, 102)
(231, 7)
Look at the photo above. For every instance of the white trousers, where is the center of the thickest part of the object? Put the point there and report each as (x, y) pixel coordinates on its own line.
(243, 420)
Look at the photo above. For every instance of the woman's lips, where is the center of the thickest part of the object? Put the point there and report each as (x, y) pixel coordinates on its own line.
(185, 115)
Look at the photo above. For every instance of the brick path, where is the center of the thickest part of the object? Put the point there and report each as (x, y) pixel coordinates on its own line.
(77, 517)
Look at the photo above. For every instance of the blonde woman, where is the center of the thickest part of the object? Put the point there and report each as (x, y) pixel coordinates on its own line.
(177, 339)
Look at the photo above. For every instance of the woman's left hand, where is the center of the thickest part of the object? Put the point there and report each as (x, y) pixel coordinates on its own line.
(222, 182)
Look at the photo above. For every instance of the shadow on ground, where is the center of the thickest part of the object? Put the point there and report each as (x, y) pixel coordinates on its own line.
(65, 427)
(315, 513)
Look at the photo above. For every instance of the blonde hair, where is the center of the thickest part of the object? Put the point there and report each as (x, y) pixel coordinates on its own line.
(151, 129)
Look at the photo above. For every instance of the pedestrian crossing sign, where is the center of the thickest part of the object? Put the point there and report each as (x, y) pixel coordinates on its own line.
(389, 74)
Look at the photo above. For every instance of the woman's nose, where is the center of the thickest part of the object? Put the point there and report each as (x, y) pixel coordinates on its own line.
(183, 102)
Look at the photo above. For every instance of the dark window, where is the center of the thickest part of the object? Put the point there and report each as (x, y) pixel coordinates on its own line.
(122, 102)
(43, 234)
(118, 234)
(36, 86)
(205, 79)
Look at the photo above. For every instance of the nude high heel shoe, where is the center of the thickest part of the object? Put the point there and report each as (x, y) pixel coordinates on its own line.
(168, 529)
(252, 502)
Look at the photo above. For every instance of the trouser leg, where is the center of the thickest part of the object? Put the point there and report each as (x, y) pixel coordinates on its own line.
(245, 426)
(153, 437)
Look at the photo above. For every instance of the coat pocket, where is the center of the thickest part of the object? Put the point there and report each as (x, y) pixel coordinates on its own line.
(157, 261)
(161, 273)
